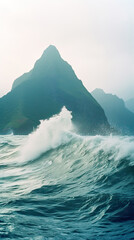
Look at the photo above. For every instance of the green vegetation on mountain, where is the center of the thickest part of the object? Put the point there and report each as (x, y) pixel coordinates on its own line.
(43, 91)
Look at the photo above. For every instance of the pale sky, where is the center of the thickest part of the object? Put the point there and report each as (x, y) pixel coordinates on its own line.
(95, 36)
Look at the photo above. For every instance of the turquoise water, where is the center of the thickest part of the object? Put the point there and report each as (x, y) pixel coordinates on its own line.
(55, 184)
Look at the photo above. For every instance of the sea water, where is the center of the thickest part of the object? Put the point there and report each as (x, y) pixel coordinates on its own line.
(55, 184)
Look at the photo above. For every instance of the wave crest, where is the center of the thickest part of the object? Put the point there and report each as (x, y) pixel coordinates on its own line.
(50, 134)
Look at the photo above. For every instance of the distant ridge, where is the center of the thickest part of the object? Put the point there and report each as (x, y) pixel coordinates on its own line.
(43, 91)
(130, 104)
(117, 114)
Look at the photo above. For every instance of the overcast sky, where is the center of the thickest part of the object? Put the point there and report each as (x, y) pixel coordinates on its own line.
(95, 36)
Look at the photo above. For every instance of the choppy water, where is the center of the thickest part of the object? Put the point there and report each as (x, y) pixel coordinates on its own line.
(57, 185)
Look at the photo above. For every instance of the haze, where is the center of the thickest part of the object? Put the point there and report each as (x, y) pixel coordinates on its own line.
(95, 36)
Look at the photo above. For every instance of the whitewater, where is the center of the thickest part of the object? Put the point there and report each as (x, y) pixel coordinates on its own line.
(56, 184)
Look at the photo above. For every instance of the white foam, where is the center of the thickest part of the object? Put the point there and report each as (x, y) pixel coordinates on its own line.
(50, 134)
(117, 147)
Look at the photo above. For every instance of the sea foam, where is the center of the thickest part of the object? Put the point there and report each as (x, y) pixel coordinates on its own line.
(50, 134)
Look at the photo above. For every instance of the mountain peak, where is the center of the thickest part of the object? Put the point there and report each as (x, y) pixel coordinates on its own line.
(98, 90)
(49, 63)
(51, 51)
(51, 48)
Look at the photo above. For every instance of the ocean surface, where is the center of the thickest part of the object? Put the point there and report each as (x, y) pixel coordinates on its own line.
(55, 184)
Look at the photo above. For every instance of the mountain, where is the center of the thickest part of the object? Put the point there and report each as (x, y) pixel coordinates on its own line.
(130, 104)
(117, 114)
(43, 91)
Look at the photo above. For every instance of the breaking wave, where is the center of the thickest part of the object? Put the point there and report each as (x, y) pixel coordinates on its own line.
(49, 135)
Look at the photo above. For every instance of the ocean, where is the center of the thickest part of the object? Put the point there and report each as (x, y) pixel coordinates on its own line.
(56, 184)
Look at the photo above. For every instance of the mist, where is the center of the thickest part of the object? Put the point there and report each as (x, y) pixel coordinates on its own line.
(95, 37)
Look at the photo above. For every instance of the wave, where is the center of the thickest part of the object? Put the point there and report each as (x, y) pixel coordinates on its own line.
(67, 186)
(50, 134)
(59, 130)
